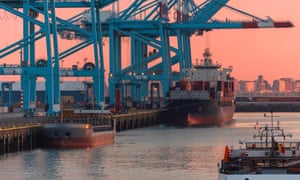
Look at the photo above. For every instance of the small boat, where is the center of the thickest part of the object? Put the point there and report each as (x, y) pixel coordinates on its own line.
(83, 130)
(271, 154)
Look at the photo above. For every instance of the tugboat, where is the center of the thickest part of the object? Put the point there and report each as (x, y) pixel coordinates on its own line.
(79, 129)
(272, 154)
(203, 96)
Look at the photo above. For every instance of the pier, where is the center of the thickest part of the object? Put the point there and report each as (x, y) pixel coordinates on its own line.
(137, 119)
(133, 119)
(266, 106)
(18, 133)
(146, 25)
(14, 139)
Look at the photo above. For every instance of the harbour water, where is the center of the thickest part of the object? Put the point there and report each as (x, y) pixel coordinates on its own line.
(159, 152)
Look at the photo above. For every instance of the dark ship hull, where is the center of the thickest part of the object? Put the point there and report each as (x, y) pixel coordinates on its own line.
(198, 113)
(73, 135)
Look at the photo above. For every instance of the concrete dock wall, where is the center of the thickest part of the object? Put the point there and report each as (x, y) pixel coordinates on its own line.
(20, 133)
(135, 120)
(14, 139)
(267, 106)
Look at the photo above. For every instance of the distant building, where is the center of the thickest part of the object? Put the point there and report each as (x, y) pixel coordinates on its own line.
(236, 85)
(262, 85)
(247, 86)
(297, 86)
(289, 84)
(240, 85)
(72, 92)
(259, 85)
(284, 85)
(275, 86)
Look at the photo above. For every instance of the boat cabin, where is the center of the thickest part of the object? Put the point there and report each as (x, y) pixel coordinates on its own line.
(287, 145)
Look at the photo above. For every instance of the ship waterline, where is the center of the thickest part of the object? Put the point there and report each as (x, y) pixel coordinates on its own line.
(73, 135)
(215, 115)
(199, 113)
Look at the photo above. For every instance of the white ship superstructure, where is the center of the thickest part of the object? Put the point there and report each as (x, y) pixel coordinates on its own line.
(272, 154)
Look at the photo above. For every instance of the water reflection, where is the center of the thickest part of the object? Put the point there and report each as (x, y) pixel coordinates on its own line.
(150, 153)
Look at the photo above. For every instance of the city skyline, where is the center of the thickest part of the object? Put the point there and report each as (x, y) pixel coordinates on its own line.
(257, 77)
(284, 84)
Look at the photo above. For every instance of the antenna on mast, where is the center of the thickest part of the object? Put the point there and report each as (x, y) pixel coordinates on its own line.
(272, 117)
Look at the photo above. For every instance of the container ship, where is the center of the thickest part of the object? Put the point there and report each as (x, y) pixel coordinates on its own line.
(80, 129)
(203, 96)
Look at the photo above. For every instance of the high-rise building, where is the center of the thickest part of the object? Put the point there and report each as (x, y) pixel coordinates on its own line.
(275, 86)
(297, 86)
(247, 86)
(284, 85)
(262, 85)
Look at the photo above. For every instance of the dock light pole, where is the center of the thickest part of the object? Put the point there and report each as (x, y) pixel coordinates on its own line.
(21, 52)
(21, 55)
(144, 84)
(85, 60)
(62, 67)
(77, 69)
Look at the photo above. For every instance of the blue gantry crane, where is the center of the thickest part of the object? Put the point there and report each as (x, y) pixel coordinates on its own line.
(147, 25)
(150, 27)
(7, 102)
(40, 21)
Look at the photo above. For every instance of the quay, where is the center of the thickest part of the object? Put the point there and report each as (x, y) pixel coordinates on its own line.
(133, 119)
(136, 119)
(266, 106)
(18, 133)
(19, 138)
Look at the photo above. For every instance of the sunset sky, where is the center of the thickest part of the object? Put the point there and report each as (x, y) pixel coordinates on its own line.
(273, 53)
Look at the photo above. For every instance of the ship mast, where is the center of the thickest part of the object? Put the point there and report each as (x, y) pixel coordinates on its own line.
(271, 132)
(206, 56)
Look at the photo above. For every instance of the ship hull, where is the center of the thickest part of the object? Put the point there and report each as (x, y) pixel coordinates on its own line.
(199, 113)
(72, 135)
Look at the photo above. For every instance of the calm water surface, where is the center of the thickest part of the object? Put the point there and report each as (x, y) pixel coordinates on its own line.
(158, 152)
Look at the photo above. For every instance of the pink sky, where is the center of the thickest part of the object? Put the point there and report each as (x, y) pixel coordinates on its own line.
(273, 53)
